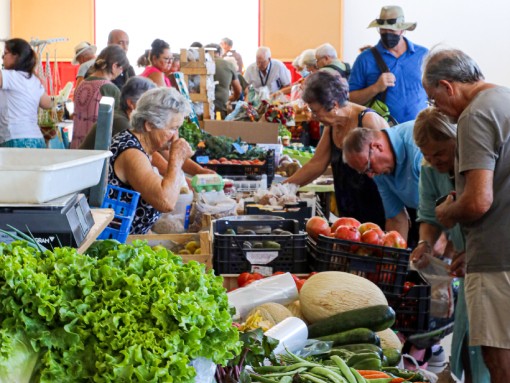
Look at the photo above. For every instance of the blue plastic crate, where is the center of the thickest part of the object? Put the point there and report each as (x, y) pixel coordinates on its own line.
(123, 202)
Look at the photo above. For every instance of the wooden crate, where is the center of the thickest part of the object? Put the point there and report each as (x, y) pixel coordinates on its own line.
(170, 241)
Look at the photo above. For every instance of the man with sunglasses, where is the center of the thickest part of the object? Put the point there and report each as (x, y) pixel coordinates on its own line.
(398, 85)
(392, 158)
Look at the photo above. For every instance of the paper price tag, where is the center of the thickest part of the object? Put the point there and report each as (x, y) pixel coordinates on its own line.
(261, 257)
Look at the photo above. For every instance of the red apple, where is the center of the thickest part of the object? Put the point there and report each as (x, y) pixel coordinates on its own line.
(372, 236)
(367, 226)
(349, 233)
(394, 239)
(345, 221)
(316, 226)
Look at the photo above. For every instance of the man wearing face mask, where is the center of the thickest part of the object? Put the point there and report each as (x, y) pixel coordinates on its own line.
(400, 87)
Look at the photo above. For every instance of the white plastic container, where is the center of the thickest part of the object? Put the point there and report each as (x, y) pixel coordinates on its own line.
(39, 175)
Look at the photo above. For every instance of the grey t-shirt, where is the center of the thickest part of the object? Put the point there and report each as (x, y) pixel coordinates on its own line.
(483, 143)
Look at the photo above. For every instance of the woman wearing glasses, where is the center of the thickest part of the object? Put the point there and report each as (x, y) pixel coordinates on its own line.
(21, 94)
(160, 63)
(156, 120)
(327, 96)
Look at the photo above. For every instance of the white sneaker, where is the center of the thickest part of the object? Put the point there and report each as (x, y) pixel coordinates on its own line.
(437, 361)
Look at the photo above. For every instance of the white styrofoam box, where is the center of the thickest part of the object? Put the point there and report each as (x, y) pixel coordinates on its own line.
(40, 175)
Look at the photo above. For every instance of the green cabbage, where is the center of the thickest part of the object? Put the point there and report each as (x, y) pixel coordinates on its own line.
(134, 314)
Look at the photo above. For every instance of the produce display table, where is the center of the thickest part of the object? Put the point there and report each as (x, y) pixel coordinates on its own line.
(102, 217)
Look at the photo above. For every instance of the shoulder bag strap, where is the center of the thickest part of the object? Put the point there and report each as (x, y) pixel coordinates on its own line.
(382, 67)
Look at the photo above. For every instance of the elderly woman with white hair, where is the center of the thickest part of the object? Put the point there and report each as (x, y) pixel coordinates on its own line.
(156, 120)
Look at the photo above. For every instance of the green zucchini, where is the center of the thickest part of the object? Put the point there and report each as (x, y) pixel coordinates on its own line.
(357, 335)
(392, 355)
(359, 348)
(375, 318)
(356, 358)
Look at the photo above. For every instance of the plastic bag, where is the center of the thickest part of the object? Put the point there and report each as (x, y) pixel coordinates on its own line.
(215, 204)
(205, 369)
(278, 289)
(257, 95)
(437, 275)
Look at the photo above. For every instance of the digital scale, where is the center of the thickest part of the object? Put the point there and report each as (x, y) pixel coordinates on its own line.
(64, 221)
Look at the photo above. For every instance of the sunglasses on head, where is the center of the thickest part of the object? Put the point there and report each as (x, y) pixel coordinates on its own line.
(386, 21)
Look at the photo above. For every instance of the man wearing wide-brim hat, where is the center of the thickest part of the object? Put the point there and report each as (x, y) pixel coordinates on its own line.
(85, 55)
(401, 86)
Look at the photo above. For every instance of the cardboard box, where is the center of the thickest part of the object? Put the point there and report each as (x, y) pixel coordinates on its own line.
(251, 132)
(171, 241)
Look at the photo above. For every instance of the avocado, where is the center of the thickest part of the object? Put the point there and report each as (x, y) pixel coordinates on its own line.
(257, 245)
(277, 231)
(285, 232)
(230, 232)
(271, 245)
(248, 232)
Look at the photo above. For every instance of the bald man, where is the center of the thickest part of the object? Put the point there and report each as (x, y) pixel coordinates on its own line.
(119, 37)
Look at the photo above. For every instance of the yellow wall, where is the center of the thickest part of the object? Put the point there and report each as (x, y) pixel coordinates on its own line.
(47, 19)
(286, 26)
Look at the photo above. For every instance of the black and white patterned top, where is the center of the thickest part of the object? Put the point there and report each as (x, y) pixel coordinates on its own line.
(145, 215)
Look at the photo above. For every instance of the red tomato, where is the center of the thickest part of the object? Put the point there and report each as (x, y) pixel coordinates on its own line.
(278, 272)
(408, 286)
(299, 283)
(317, 225)
(243, 278)
(348, 221)
(256, 276)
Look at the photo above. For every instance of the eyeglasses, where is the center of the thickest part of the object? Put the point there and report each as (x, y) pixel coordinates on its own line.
(386, 21)
(368, 169)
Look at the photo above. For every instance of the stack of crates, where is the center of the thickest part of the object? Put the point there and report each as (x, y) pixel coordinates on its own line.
(123, 202)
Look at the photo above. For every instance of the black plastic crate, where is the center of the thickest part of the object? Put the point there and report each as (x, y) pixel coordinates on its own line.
(298, 211)
(267, 168)
(231, 255)
(385, 266)
(412, 307)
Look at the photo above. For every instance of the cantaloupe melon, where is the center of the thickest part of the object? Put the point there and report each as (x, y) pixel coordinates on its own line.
(331, 292)
(389, 339)
(295, 309)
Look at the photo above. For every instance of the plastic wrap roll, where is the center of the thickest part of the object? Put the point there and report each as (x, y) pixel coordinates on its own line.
(291, 332)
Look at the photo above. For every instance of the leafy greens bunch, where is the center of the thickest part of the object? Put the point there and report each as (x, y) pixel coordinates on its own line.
(133, 314)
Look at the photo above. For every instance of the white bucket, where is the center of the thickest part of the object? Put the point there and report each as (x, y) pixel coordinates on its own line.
(183, 207)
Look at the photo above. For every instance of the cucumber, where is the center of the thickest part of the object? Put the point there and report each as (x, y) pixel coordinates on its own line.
(392, 355)
(357, 335)
(375, 318)
(359, 348)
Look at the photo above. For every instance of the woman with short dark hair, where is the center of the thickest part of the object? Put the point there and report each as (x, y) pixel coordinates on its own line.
(160, 63)
(327, 96)
(110, 63)
(21, 94)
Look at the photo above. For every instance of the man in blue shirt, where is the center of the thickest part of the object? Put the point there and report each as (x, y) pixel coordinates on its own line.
(405, 95)
(390, 156)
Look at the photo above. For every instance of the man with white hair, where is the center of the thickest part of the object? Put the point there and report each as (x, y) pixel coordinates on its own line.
(327, 60)
(398, 84)
(267, 71)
